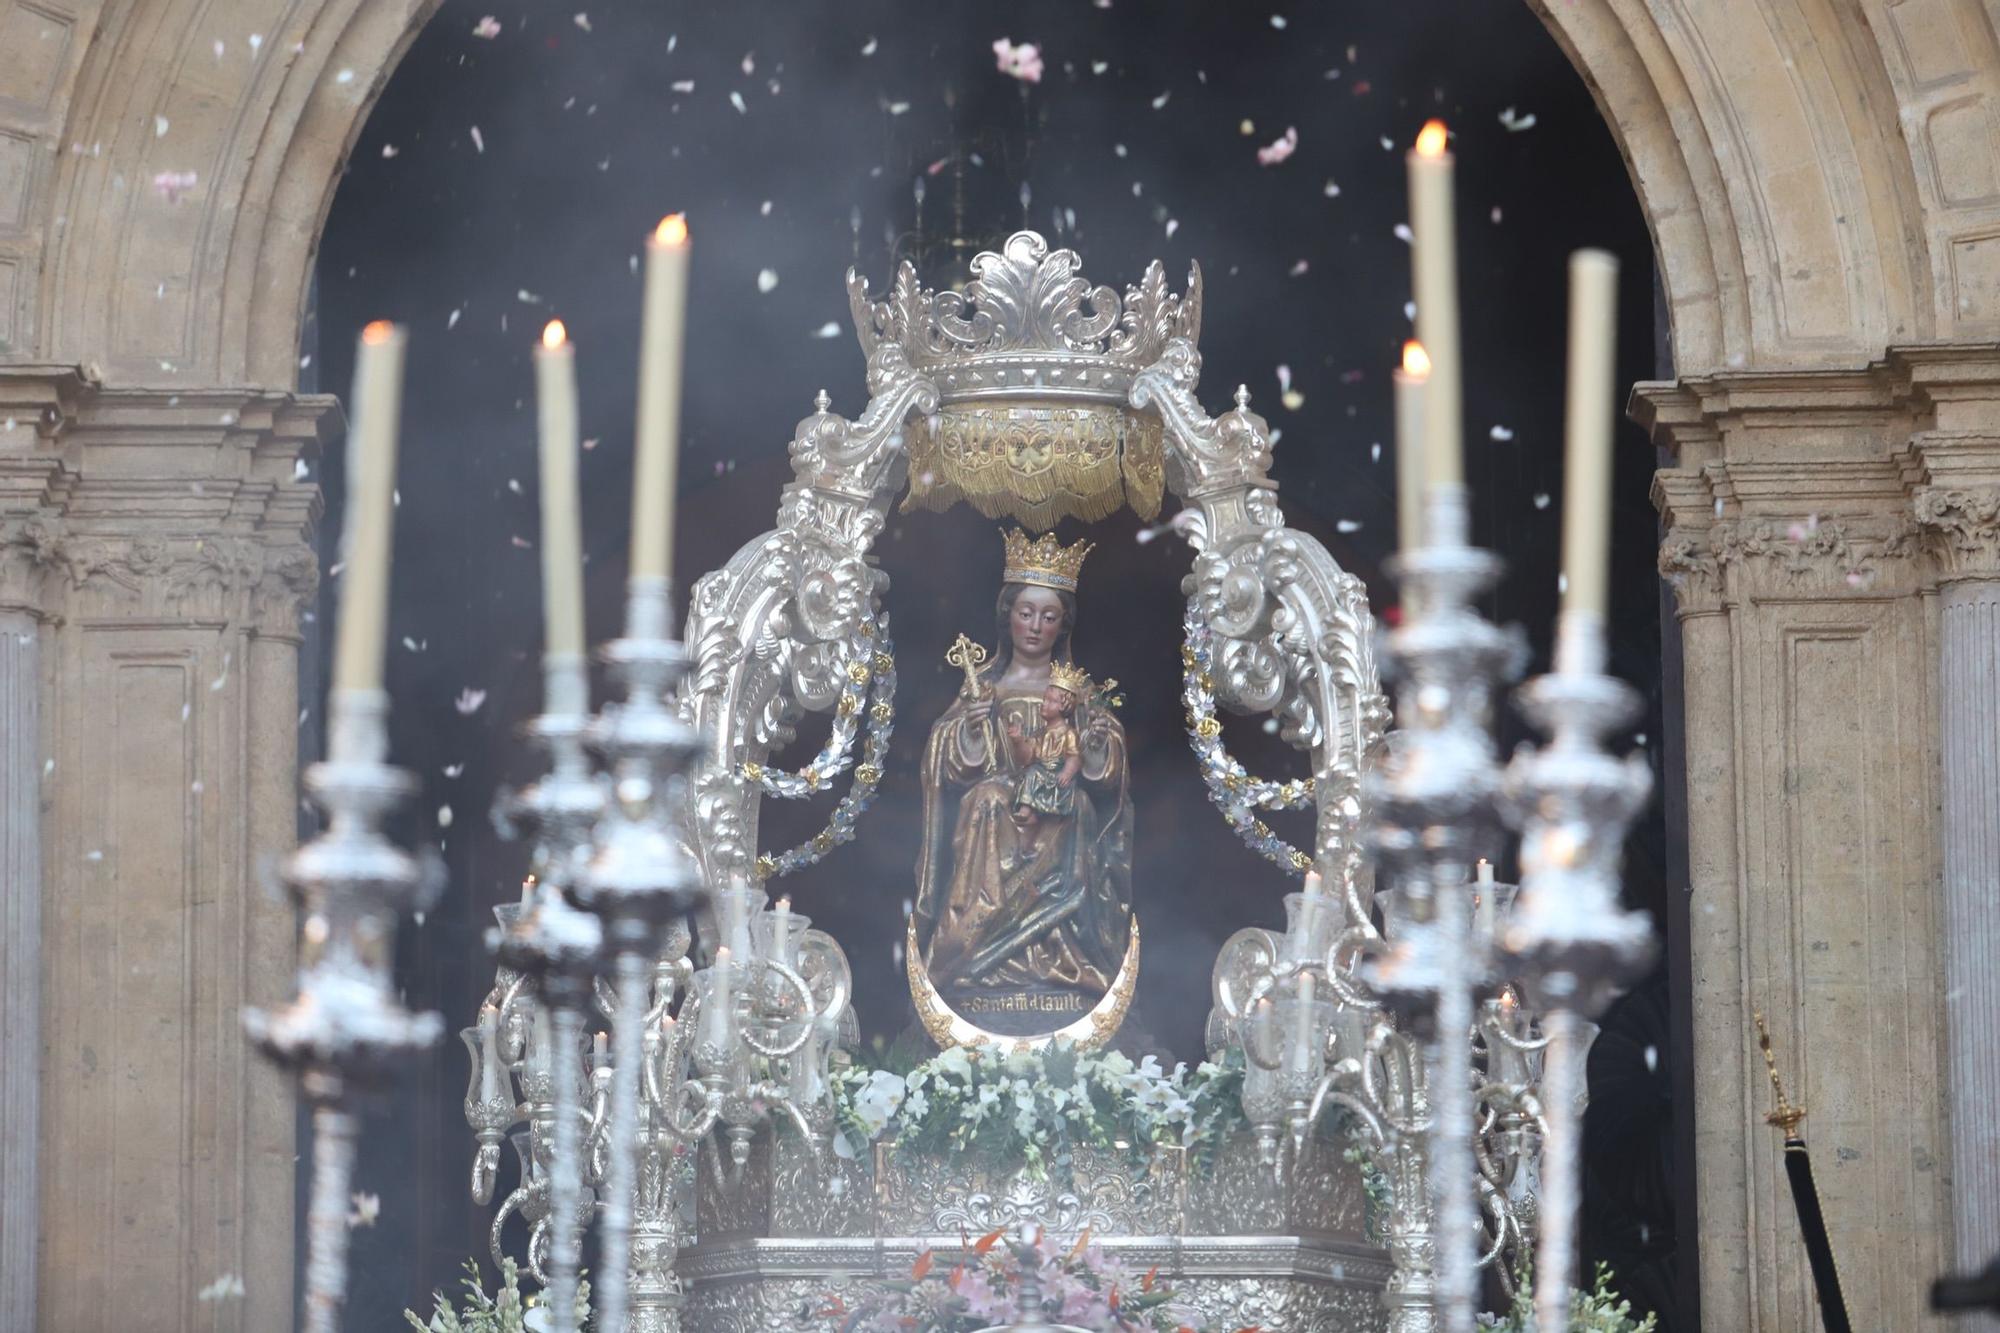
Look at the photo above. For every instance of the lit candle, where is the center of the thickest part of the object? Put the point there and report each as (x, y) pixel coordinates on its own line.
(661, 339)
(562, 524)
(600, 1047)
(1484, 916)
(371, 510)
(1410, 380)
(1593, 339)
(781, 932)
(1436, 281)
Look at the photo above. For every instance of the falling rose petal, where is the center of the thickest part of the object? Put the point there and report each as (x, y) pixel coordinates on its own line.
(478, 139)
(1375, 452)
(590, 444)
(522, 543)
(1299, 269)
(453, 770)
(870, 47)
(1160, 102)
(1099, 66)
(1284, 378)
(1292, 399)
(1410, 311)
(1500, 434)
(1347, 525)
(526, 297)
(1388, 144)
(764, 209)
(487, 27)
(898, 108)
(749, 65)
(1330, 190)
(444, 816)
(767, 279)
(1278, 21)
(736, 100)
(1541, 499)
(1514, 124)
(683, 85)
(1495, 215)
(389, 150)
(1404, 234)
(160, 125)
(827, 330)
(256, 42)
(451, 320)
(300, 471)
(1173, 225)
(1023, 62)
(172, 185)
(581, 20)
(1279, 148)
(514, 485)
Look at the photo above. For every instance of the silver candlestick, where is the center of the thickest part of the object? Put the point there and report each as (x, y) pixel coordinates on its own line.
(1575, 947)
(640, 878)
(559, 947)
(345, 1025)
(1432, 799)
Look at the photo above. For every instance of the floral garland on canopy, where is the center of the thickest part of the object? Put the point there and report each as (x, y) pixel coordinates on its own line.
(871, 661)
(1234, 791)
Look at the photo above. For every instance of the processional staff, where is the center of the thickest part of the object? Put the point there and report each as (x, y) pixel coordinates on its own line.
(1805, 1196)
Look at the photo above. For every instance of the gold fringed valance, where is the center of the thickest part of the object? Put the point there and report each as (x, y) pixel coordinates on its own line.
(1037, 464)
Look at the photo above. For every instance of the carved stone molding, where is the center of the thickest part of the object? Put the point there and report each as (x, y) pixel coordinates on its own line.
(1709, 568)
(1961, 529)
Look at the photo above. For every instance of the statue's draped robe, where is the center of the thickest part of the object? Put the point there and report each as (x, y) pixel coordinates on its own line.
(993, 910)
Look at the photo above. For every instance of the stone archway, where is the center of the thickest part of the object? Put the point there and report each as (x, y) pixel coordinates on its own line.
(1825, 202)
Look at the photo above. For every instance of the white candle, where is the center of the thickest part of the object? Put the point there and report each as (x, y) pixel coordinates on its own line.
(1593, 345)
(725, 992)
(1484, 918)
(1302, 1033)
(369, 524)
(1435, 256)
(600, 1047)
(562, 522)
(781, 930)
(661, 339)
(1411, 379)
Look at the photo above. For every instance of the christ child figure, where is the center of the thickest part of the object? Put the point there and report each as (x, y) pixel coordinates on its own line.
(1049, 762)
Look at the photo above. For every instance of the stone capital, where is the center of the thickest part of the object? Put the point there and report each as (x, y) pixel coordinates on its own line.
(195, 506)
(1961, 530)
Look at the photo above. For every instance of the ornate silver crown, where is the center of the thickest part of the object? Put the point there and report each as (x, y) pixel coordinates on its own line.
(1028, 325)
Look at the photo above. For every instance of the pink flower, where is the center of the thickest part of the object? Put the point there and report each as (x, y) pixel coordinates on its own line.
(1023, 62)
(488, 27)
(1279, 148)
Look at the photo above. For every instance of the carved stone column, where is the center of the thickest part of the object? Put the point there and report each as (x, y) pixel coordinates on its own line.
(1812, 741)
(160, 540)
(1963, 524)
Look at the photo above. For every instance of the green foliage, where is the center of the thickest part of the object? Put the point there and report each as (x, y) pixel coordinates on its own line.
(506, 1311)
(1598, 1310)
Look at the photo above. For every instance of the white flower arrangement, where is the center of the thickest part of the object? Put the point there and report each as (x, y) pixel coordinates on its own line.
(1036, 1107)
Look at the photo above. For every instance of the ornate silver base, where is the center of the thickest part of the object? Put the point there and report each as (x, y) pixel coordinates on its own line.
(779, 1245)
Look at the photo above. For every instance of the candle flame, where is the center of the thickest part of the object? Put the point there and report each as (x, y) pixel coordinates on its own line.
(1416, 361)
(554, 335)
(785, 903)
(673, 230)
(378, 332)
(1431, 139)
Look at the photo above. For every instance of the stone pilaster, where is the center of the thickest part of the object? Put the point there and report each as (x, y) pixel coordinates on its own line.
(1811, 726)
(161, 541)
(1962, 524)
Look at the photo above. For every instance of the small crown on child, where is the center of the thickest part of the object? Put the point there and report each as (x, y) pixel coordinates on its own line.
(1071, 679)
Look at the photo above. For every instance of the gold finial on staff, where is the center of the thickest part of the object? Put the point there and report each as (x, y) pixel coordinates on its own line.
(1787, 1116)
(969, 657)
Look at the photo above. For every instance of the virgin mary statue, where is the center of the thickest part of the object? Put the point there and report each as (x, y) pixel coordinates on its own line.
(1024, 885)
